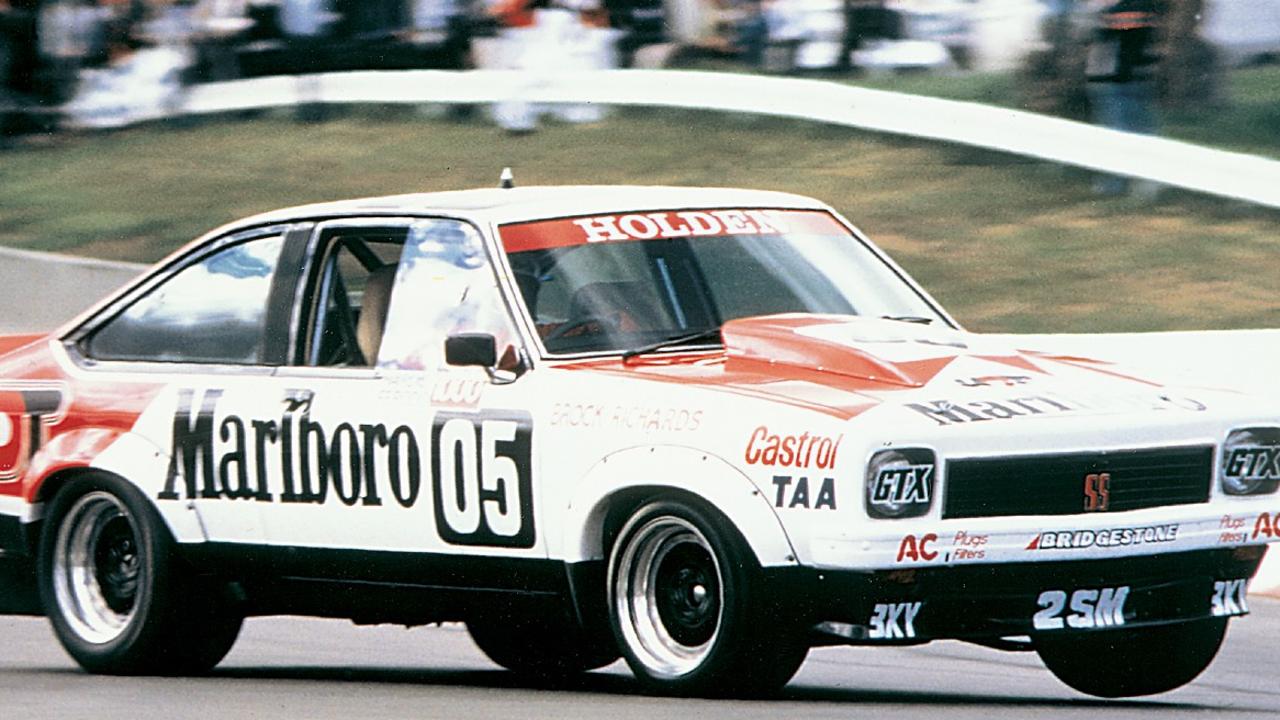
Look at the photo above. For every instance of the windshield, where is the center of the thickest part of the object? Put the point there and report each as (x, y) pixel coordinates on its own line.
(617, 282)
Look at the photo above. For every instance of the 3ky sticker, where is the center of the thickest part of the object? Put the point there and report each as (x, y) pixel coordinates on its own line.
(1229, 598)
(891, 621)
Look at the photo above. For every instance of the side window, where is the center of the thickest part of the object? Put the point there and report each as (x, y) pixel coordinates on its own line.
(444, 286)
(350, 295)
(213, 311)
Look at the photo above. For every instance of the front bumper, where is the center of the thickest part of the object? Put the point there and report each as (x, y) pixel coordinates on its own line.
(930, 542)
(988, 601)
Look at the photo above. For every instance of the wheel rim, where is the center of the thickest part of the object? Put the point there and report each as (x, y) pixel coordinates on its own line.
(97, 570)
(669, 596)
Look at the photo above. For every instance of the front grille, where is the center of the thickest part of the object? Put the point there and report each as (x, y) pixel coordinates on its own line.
(1055, 484)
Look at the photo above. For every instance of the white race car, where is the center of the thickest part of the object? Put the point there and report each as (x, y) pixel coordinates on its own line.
(702, 429)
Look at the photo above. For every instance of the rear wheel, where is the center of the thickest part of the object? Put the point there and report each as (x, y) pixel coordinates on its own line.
(690, 607)
(1128, 663)
(118, 598)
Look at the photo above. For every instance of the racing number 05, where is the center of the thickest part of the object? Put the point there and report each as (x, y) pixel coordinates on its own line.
(482, 472)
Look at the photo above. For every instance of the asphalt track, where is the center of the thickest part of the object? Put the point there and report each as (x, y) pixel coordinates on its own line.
(319, 669)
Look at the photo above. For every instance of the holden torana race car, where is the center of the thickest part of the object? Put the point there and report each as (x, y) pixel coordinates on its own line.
(704, 430)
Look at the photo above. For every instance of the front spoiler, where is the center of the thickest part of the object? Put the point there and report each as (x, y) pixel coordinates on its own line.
(976, 602)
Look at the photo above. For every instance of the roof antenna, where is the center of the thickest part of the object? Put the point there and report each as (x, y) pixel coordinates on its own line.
(506, 181)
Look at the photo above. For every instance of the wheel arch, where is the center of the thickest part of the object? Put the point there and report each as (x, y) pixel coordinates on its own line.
(126, 456)
(49, 485)
(623, 481)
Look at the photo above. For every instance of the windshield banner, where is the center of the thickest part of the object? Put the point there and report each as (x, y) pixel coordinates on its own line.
(665, 225)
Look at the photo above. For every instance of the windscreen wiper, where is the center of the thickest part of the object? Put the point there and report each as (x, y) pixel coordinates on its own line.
(909, 319)
(673, 341)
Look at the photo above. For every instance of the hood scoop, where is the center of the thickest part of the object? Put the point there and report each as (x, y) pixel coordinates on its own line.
(882, 351)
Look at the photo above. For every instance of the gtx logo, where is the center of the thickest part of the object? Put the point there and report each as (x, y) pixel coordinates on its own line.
(1097, 492)
(903, 485)
(1254, 462)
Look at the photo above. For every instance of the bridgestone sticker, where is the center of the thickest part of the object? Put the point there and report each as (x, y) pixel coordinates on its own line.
(1115, 537)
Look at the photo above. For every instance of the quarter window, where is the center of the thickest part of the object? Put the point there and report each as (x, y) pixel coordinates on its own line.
(213, 311)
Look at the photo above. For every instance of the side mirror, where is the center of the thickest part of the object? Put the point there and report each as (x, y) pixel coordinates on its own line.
(471, 349)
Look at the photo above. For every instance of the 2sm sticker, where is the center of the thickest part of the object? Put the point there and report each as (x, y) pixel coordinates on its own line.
(1090, 608)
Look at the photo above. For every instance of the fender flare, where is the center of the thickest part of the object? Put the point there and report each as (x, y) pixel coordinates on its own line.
(125, 454)
(673, 468)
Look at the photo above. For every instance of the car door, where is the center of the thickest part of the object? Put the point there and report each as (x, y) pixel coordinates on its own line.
(382, 446)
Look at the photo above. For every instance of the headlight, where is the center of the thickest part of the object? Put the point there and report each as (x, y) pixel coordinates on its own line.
(1251, 462)
(900, 483)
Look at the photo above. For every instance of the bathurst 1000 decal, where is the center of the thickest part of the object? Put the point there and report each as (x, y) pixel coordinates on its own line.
(480, 480)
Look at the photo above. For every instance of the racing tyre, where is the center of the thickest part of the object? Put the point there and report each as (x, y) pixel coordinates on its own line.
(119, 599)
(543, 648)
(1128, 663)
(690, 608)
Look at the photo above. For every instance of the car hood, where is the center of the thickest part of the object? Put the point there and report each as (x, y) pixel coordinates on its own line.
(845, 366)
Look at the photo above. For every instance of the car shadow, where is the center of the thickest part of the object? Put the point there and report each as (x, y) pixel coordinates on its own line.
(599, 683)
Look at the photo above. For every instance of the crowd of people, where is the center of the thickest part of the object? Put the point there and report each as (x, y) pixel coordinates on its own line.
(53, 52)
(63, 59)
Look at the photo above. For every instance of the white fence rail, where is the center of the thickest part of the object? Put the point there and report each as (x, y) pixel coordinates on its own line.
(1217, 172)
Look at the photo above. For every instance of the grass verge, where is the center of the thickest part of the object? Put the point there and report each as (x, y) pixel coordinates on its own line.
(1005, 244)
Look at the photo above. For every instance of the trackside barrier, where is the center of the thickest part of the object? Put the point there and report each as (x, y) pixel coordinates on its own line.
(1242, 359)
(1217, 172)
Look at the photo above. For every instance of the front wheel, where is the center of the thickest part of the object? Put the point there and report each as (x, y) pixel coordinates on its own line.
(690, 607)
(1129, 663)
(119, 599)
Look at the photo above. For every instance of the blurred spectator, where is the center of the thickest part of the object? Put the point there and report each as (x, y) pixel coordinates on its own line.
(122, 18)
(787, 28)
(515, 13)
(1190, 74)
(217, 27)
(1051, 79)
(753, 32)
(543, 41)
(867, 20)
(642, 22)
(142, 79)
(306, 19)
(72, 35)
(8, 43)
(1119, 68)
